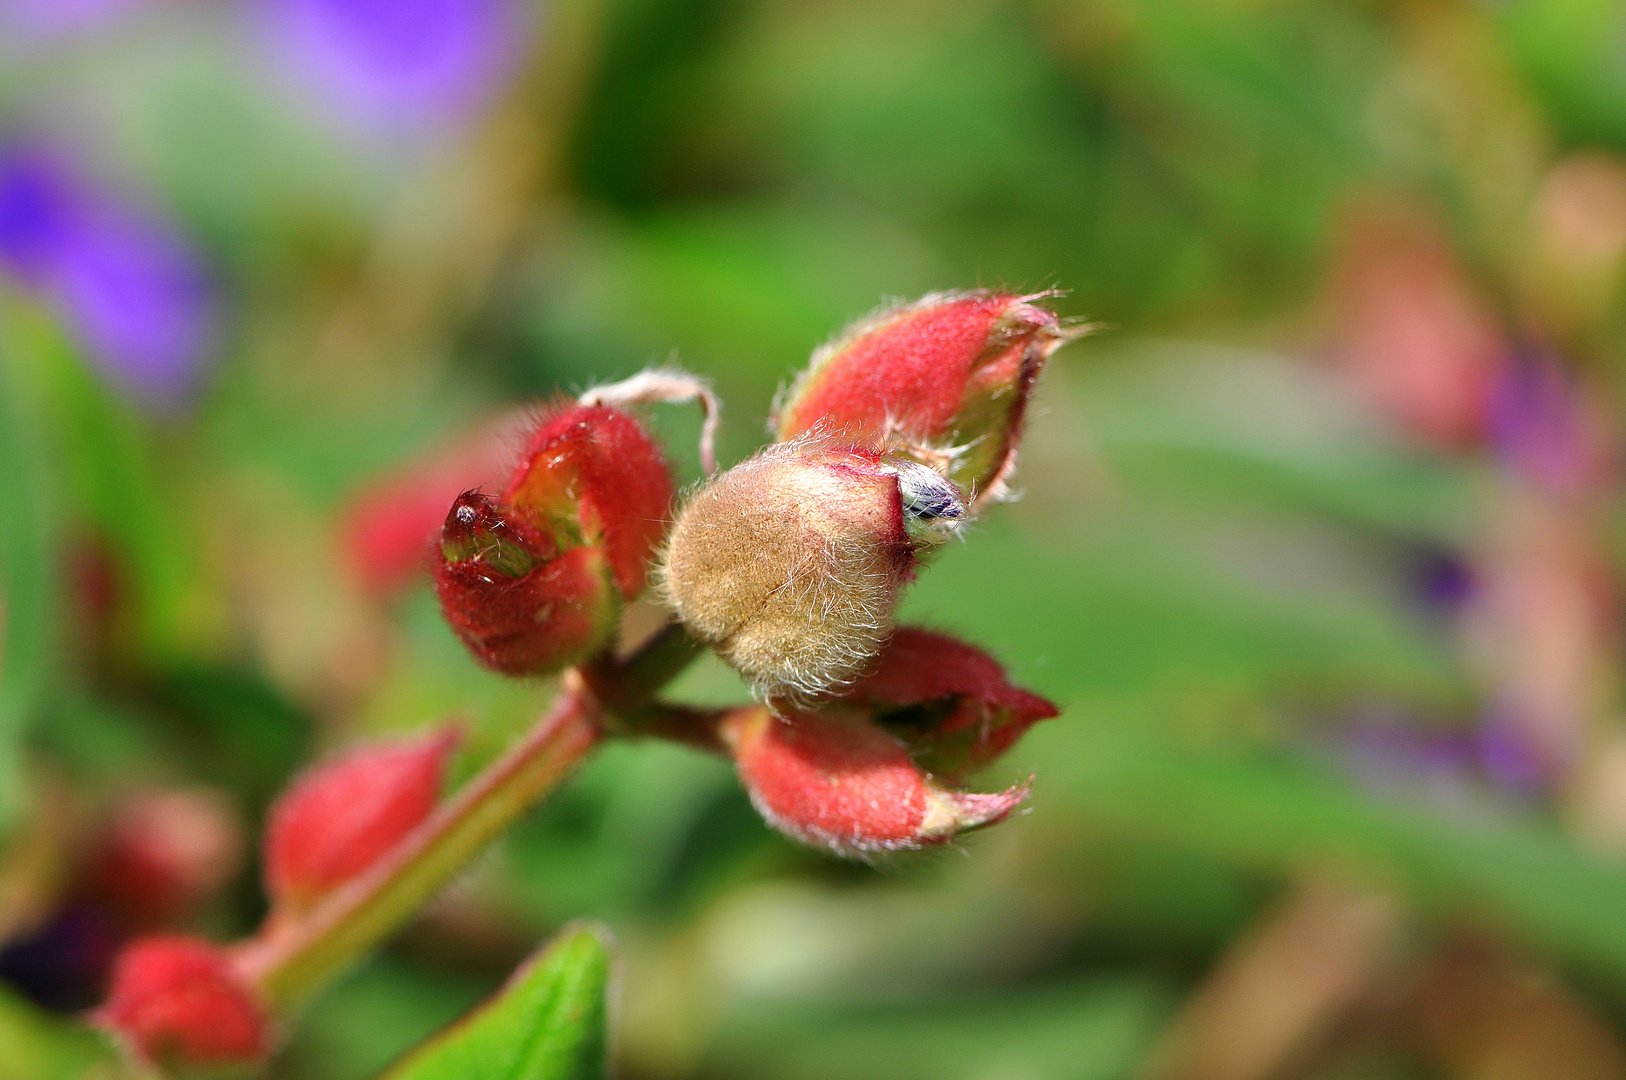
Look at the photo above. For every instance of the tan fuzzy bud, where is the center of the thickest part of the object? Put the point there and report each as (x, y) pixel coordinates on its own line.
(789, 564)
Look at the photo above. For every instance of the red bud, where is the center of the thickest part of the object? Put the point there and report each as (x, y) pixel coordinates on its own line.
(177, 1000)
(949, 701)
(535, 580)
(1411, 330)
(341, 816)
(833, 779)
(594, 477)
(520, 606)
(789, 564)
(165, 852)
(949, 374)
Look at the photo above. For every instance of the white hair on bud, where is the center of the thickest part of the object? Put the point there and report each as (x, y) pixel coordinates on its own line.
(672, 386)
(933, 510)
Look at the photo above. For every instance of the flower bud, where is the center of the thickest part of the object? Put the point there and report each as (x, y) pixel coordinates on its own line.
(164, 853)
(535, 580)
(593, 477)
(520, 606)
(833, 779)
(340, 817)
(949, 376)
(949, 701)
(789, 564)
(176, 1000)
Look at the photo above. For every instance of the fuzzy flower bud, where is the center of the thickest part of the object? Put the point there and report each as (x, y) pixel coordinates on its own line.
(789, 564)
(534, 581)
(833, 779)
(948, 377)
(341, 816)
(176, 1000)
(949, 701)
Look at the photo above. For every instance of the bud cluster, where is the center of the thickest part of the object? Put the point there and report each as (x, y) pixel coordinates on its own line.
(789, 566)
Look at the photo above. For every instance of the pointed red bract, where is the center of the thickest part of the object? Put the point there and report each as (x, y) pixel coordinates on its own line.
(950, 374)
(177, 1000)
(833, 779)
(341, 816)
(596, 464)
(950, 701)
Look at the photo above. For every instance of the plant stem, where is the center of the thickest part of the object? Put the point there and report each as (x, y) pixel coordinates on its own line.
(293, 958)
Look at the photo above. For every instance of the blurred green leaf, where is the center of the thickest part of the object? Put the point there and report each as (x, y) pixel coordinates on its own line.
(29, 585)
(35, 1045)
(117, 485)
(547, 1022)
(1094, 1029)
(1473, 861)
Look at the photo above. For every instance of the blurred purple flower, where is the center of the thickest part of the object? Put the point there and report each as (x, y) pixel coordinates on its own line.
(1390, 754)
(1444, 580)
(36, 20)
(1538, 425)
(396, 64)
(1509, 758)
(128, 286)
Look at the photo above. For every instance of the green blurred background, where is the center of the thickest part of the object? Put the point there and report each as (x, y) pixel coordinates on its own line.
(1320, 543)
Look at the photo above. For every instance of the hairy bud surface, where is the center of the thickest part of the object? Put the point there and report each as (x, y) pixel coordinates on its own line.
(789, 564)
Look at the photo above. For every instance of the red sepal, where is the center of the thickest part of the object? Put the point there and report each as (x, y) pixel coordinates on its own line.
(950, 374)
(593, 467)
(950, 701)
(833, 779)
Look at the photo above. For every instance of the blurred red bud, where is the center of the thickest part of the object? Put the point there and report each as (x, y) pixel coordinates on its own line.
(1411, 330)
(833, 779)
(949, 375)
(176, 1000)
(949, 701)
(165, 852)
(391, 522)
(341, 816)
(535, 580)
(789, 564)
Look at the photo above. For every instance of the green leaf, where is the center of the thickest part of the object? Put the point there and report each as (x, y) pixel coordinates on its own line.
(1474, 862)
(28, 571)
(34, 1045)
(546, 1023)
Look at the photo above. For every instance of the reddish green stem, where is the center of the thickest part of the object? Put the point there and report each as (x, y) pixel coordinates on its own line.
(293, 958)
